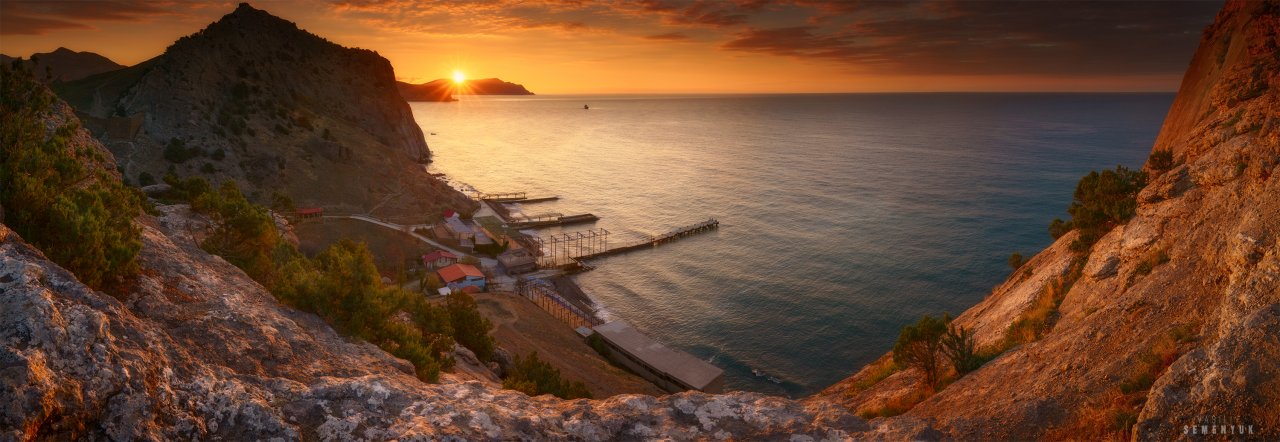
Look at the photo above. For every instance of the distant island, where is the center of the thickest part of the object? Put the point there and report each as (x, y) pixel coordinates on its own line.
(444, 90)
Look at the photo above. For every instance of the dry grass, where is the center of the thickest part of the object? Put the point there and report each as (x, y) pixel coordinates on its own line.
(898, 405)
(1113, 416)
(1153, 258)
(881, 370)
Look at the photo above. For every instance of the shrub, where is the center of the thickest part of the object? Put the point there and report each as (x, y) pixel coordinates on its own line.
(177, 151)
(533, 377)
(469, 328)
(597, 343)
(282, 203)
(1016, 261)
(918, 347)
(959, 347)
(1101, 202)
(219, 154)
(80, 216)
(1160, 161)
(145, 179)
(208, 168)
(1150, 260)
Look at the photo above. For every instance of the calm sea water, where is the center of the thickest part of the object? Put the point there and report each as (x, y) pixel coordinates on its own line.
(843, 217)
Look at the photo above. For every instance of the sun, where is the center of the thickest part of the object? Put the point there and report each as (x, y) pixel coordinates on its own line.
(459, 77)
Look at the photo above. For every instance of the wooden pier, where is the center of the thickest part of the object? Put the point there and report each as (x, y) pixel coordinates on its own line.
(514, 197)
(569, 250)
(548, 220)
(658, 240)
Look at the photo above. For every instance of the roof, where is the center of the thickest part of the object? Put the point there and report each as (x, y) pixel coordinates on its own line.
(310, 211)
(458, 271)
(437, 255)
(449, 213)
(690, 370)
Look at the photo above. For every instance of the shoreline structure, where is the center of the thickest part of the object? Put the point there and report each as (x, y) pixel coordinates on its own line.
(553, 288)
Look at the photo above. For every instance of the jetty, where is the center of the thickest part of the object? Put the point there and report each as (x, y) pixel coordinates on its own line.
(553, 219)
(515, 197)
(654, 241)
(571, 249)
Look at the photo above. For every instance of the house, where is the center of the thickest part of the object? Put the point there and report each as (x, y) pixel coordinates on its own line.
(309, 213)
(458, 276)
(518, 261)
(439, 259)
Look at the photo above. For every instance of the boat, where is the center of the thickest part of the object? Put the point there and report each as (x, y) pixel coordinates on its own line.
(586, 107)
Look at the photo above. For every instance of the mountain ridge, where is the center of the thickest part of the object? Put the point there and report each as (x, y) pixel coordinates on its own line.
(63, 64)
(256, 99)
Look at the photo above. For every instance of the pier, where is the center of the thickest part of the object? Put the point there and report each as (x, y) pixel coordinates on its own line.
(574, 247)
(514, 197)
(553, 219)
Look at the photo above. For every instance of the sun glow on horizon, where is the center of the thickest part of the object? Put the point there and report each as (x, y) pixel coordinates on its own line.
(459, 77)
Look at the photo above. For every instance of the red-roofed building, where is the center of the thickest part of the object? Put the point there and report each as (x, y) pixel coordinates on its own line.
(439, 259)
(310, 212)
(459, 276)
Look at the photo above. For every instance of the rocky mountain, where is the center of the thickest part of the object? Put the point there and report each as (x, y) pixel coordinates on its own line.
(1174, 319)
(65, 65)
(444, 90)
(194, 349)
(1168, 326)
(256, 99)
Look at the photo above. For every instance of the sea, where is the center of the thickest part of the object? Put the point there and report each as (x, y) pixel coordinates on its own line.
(843, 216)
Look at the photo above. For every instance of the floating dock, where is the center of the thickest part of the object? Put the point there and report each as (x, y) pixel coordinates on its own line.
(514, 197)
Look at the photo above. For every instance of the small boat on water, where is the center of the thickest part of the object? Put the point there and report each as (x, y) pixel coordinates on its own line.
(586, 107)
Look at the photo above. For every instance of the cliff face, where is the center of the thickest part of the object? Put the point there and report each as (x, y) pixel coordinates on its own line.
(254, 98)
(1193, 279)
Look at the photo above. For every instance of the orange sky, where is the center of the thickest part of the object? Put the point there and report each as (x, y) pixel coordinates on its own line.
(568, 46)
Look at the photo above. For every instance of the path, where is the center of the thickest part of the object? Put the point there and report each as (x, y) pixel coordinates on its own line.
(403, 228)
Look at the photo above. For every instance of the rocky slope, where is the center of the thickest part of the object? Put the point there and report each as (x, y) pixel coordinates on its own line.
(196, 350)
(254, 98)
(444, 90)
(65, 65)
(1194, 277)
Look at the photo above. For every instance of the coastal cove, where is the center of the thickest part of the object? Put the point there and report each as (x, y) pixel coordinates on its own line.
(843, 216)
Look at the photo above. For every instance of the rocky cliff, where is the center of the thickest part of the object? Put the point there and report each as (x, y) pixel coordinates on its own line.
(254, 98)
(65, 65)
(1192, 282)
(1189, 286)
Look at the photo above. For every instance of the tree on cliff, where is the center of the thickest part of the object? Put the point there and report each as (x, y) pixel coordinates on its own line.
(919, 346)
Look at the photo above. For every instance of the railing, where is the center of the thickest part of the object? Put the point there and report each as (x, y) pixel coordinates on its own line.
(545, 296)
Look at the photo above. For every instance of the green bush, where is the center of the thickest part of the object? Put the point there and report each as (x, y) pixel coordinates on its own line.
(145, 179)
(1160, 161)
(1101, 202)
(469, 328)
(960, 348)
(533, 377)
(177, 151)
(1016, 261)
(80, 216)
(919, 345)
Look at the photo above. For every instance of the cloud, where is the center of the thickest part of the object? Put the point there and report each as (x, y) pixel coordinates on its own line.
(669, 36)
(1075, 37)
(701, 12)
(19, 17)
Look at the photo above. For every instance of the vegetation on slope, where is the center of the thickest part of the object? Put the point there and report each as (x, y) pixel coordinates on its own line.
(81, 217)
(340, 284)
(1101, 202)
(534, 376)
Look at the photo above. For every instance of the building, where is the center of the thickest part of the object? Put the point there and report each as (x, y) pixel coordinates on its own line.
(458, 276)
(518, 261)
(309, 213)
(439, 259)
(672, 370)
